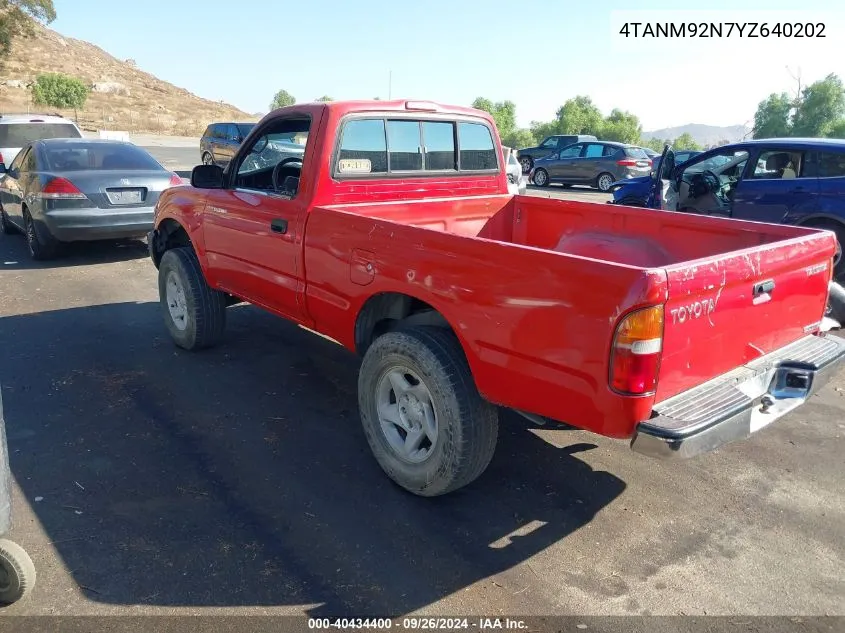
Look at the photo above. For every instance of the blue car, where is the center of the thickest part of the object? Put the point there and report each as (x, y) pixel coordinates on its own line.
(798, 181)
(633, 192)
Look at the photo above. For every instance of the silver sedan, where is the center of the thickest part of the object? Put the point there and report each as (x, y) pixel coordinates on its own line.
(68, 190)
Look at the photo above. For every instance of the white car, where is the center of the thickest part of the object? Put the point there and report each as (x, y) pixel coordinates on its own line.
(19, 130)
(517, 181)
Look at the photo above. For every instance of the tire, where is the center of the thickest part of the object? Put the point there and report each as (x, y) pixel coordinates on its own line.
(603, 182)
(6, 227)
(541, 178)
(41, 247)
(17, 572)
(466, 425)
(839, 230)
(202, 309)
(836, 303)
(527, 163)
(207, 159)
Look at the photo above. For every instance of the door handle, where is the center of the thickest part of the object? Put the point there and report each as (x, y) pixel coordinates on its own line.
(764, 287)
(279, 226)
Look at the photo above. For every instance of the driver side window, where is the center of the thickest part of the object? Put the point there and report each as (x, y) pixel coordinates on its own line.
(273, 161)
(573, 151)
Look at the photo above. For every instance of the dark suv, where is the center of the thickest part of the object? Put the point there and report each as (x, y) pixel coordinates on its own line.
(220, 141)
(550, 145)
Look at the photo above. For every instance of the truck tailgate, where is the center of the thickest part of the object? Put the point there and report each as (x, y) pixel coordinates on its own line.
(723, 312)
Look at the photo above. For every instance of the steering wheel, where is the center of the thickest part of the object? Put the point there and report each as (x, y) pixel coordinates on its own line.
(278, 168)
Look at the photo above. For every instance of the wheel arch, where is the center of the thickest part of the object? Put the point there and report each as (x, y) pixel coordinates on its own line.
(385, 310)
(170, 233)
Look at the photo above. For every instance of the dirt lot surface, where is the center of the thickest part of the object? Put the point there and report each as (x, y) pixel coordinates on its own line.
(149, 480)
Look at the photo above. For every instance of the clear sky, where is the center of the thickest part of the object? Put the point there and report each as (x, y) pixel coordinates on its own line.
(537, 54)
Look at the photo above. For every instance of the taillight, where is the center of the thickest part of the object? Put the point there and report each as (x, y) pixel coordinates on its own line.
(176, 180)
(61, 188)
(634, 162)
(636, 352)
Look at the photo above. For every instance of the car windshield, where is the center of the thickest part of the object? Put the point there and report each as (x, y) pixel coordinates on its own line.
(21, 134)
(278, 147)
(82, 156)
(719, 162)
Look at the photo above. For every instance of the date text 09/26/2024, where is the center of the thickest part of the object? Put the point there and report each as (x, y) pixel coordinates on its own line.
(419, 624)
(672, 30)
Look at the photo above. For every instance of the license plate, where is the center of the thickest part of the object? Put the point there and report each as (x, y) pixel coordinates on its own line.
(125, 196)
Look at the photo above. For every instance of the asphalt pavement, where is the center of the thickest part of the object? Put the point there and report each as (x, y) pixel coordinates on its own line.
(149, 480)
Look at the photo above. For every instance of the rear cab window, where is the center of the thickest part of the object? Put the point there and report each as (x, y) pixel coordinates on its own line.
(386, 145)
(21, 134)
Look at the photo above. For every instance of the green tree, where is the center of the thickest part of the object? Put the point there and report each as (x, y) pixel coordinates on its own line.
(59, 91)
(622, 127)
(657, 144)
(16, 20)
(325, 98)
(772, 119)
(281, 99)
(822, 105)
(838, 129)
(540, 130)
(504, 115)
(685, 141)
(579, 116)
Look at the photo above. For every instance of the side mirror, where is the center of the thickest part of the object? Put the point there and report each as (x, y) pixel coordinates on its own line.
(207, 177)
(3, 168)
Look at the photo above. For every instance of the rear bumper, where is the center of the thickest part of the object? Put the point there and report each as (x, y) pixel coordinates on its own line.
(735, 405)
(72, 225)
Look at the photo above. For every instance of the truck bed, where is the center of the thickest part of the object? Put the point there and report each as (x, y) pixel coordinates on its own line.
(570, 270)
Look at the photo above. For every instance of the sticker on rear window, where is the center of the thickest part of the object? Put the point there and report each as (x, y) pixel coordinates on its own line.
(355, 166)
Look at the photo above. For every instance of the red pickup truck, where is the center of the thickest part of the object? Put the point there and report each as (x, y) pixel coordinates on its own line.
(388, 228)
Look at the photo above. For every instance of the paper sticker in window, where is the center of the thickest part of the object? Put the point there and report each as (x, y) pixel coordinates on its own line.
(354, 166)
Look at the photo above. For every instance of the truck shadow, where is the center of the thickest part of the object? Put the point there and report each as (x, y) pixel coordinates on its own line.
(240, 476)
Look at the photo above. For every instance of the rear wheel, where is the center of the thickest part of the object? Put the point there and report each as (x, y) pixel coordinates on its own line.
(194, 313)
(527, 163)
(541, 178)
(42, 245)
(426, 424)
(5, 225)
(838, 260)
(604, 181)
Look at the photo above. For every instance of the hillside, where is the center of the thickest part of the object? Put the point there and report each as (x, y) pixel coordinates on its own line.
(123, 97)
(703, 134)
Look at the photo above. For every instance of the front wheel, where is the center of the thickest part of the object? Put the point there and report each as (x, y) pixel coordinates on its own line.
(527, 163)
(604, 181)
(17, 572)
(541, 178)
(426, 424)
(194, 313)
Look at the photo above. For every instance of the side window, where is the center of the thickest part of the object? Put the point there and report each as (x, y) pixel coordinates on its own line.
(28, 163)
(573, 151)
(594, 150)
(403, 143)
(231, 132)
(831, 165)
(609, 150)
(549, 143)
(260, 165)
(778, 165)
(363, 148)
(439, 145)
(475, 143)
(220, 132)
(16, 163)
